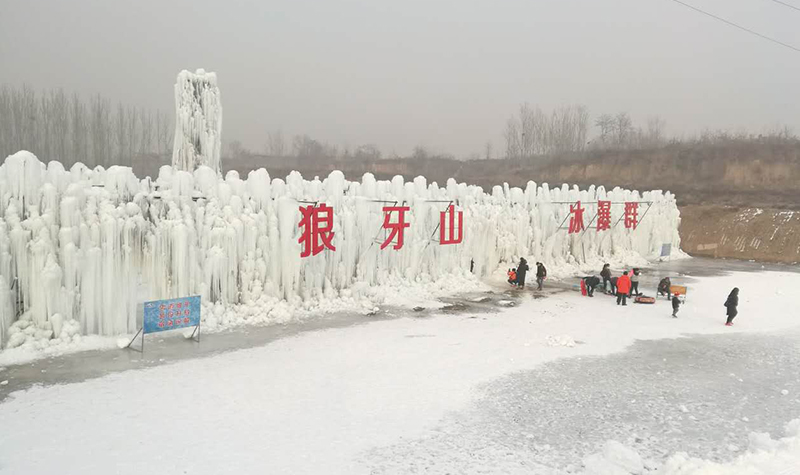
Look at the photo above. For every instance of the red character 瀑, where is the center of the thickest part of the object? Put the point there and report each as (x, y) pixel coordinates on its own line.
(450, 237)
(603, 215)
(396, 228)
(317, 224)
(631, 211)
(576, 220)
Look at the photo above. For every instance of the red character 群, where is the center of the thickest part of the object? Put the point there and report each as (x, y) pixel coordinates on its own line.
(576, 220)
(447, 234)
(317, 224)
(395, 228)
(631, 212)
(603, 215)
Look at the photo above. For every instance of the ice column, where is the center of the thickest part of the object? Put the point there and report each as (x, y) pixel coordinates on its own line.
(198, 121)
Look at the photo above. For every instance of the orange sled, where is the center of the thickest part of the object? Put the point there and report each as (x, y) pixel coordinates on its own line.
(643, 299)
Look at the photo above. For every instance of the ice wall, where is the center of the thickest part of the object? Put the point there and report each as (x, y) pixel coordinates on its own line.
(81, 247)
(198, 121)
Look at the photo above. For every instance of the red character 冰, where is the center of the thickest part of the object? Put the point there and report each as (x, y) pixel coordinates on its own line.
(576, 220)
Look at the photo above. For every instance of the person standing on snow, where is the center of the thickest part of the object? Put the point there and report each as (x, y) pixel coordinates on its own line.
(522, 269)
(731, 304)
(541, 274)
(634, 283)
(591, 282)
(676, 303)
(664, 287)
(623, 288)
(606, 275)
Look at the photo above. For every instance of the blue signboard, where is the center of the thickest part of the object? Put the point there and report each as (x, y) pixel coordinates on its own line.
(161, 315)
(666, 250)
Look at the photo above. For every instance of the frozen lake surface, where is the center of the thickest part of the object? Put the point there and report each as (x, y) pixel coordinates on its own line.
(501, 382)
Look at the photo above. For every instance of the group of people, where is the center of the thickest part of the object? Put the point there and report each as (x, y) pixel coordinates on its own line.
(624, 286)
(627, 285)
(516, 276)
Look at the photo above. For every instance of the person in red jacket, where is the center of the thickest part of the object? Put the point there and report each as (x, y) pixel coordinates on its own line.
(623, 287)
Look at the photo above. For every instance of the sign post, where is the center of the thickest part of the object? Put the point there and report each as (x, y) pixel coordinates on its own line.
(170, 314)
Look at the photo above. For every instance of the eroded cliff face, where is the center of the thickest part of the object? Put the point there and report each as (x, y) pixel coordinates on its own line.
(761, 234)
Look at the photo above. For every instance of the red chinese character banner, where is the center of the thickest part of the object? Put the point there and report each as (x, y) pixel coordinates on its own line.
(316, 227)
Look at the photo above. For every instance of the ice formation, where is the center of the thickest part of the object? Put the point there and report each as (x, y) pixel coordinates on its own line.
(198, 121)
(80, 248)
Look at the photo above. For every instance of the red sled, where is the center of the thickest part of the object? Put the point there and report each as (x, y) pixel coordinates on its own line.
(583, 288)
(643, 299)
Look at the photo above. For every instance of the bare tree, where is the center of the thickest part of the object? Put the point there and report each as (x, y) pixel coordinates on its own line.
(100, 128)
(59, 106)
(6, 122)
(235, 150)
(606, 124)
(367, 152)
(146, 127)
(276, 145)
(121, 133)
(622, 128)
(655, 131)
(420, 153)
(512, 136)
(79, 130)
(488, 150)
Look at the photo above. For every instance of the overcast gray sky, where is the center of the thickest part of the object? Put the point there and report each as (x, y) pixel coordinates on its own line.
(445, 74)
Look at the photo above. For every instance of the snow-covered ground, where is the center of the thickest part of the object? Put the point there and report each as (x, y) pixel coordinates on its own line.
(359, 399)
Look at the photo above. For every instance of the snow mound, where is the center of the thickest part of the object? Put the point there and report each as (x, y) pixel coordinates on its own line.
(560, 340)
(764, 456)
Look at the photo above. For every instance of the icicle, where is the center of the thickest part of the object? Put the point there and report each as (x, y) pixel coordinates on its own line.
(198, 121)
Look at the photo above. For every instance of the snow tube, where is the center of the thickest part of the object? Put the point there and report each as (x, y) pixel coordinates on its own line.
(644, 299)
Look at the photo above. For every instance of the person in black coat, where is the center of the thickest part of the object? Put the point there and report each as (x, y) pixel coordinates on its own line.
(541, 274)
(664, 287)
(731, 304)
(676, 303)
(522, 269)
(606, 275)
(591, 282)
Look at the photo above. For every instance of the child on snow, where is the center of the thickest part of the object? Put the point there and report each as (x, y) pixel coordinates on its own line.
(512, 276)
(676, 303)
